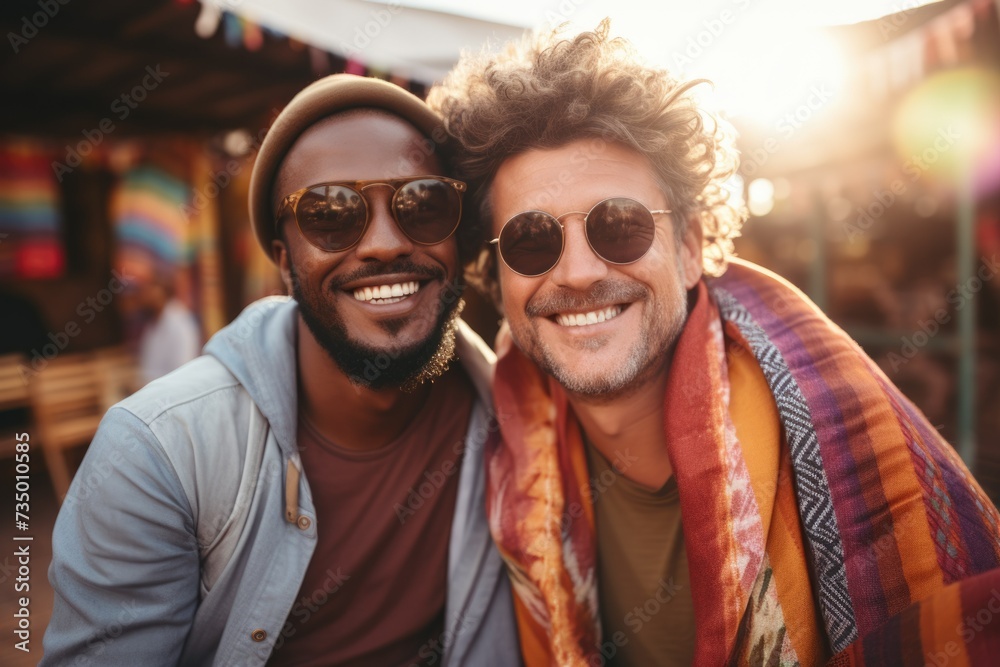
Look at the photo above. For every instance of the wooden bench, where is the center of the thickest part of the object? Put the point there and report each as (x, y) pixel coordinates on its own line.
(14, 398)
(68, 400)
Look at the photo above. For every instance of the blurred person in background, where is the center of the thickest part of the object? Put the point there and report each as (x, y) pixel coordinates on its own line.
(310, 490)
(170, 336)
(696, 465)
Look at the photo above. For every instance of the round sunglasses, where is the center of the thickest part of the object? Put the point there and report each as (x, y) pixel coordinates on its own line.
(619, 230)
(334, 216)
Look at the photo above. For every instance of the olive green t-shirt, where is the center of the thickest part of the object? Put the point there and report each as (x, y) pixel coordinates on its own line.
(647, 614)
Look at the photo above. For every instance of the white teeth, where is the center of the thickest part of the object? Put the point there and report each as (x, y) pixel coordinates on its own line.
(593, 317)
(383, 294)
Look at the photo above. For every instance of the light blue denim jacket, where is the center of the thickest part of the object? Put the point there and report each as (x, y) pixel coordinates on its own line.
(184, 537)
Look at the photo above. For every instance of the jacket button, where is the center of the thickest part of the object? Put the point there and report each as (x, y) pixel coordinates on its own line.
(304, 523)
(258, 635)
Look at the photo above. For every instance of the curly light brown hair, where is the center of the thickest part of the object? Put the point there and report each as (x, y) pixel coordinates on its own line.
(546, 91)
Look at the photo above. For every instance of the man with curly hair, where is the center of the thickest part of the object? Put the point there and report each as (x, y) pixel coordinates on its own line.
(695, 465)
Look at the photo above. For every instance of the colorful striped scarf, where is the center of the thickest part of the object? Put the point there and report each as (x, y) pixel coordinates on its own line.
(860, 535)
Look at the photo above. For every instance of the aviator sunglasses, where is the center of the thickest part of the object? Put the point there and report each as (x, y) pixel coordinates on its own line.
(619, 230)
(334, 216)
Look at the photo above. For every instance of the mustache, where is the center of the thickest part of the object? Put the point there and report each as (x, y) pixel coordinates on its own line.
(402, 265)
(600, 295)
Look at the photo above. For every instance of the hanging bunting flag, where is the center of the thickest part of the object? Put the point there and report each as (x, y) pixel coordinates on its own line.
(941, 36)
(232, 29)
(253, 38)
(208, 21)
(239, 31)
(944, 41)
(355, 67)
(275, 34)
(319, 62)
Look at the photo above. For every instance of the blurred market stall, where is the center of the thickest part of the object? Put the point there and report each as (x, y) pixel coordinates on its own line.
(869, 133)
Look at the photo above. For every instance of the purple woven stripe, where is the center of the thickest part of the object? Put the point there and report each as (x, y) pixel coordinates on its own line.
(853, 514)
(978, 535)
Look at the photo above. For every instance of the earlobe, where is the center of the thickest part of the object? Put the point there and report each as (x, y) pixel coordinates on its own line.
(692, 253)
(280, 255)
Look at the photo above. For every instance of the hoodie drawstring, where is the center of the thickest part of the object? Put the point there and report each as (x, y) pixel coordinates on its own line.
(292, 493)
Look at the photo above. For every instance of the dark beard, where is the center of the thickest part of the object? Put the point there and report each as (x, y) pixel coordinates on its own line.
(375, 368)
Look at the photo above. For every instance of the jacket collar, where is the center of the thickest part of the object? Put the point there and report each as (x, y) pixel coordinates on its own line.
(258, 348)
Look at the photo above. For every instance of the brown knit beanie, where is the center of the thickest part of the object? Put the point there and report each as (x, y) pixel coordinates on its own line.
(316, 101)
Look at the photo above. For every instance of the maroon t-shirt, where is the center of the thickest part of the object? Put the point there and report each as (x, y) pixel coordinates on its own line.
(374, 591)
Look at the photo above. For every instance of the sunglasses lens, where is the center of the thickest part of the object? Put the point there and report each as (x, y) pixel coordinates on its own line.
(332, 217)
(427, 210)
(531, 242)
(620, 230)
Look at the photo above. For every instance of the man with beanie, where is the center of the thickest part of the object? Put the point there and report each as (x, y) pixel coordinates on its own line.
(310, 490)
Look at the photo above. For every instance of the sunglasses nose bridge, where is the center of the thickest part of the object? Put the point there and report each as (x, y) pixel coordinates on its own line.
(367, 186)
(382, 239)
(375, 204)
(579, 266)
(569, 213)
(578, 228)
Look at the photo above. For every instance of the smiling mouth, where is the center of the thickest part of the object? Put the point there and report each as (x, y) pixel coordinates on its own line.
(591, 317)
(380, 295)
